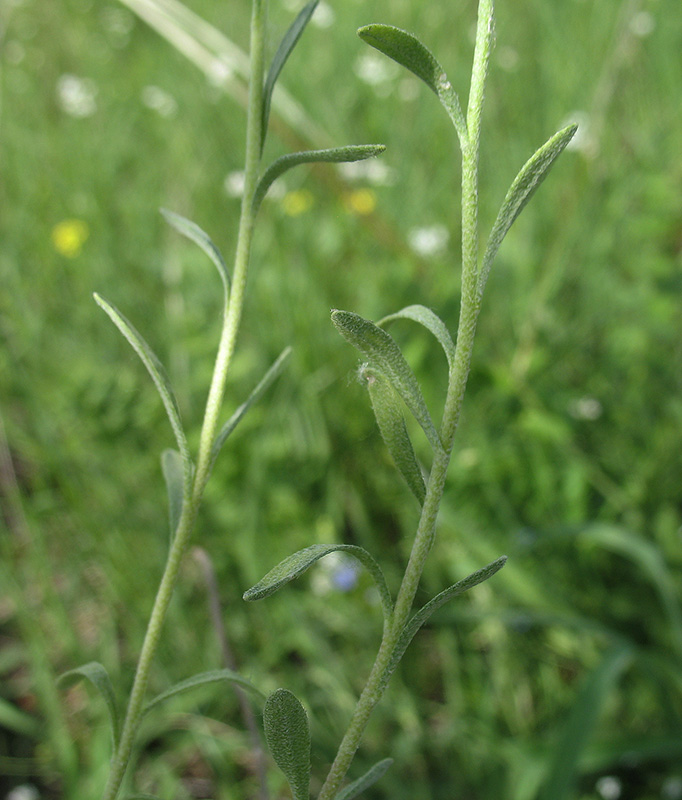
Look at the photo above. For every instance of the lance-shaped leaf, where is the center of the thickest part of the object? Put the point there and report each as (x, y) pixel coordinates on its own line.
(299, 562)
(287, 44)
(368, 779)
(262, 386)
(288, 737)
(171, 466)
(409, 52)
(389, 415)
(434, 604)
(99, 678)
(526, 182)
(158, 374)
(432, 322)
(203, 679)
(336, 155)
(194, 233)
(381, 350)
(141, 797)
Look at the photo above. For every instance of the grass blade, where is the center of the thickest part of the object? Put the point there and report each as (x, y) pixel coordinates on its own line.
(332, 155)
(524, 185)
(288, 736)
(368, 779)
(99, 678)
(158, 374)
(171, 466)
(287, 44)
(432, 322)
(381, 350)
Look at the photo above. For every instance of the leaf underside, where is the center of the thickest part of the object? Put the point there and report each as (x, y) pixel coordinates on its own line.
(288, 737)
(368, 779)
(98, 676)
(171, 466)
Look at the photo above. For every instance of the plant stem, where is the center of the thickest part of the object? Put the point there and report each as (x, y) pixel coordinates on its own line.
(193, 495)
(469, 310)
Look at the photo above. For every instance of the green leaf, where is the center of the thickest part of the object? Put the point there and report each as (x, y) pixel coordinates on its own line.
(287, 44)
(581, 722)
(434, 604)
(141, 797)
(299, 562)
(265, 382)
(335, 155)
(194, 233)
(15, 720)
(171, 466)
(158, 374)
(388, 412)
(432, 322)
(409, 52)
(367, 780)
(526, 182)
(381, 350)
(99, 678)
(202, 679)
(288, 737)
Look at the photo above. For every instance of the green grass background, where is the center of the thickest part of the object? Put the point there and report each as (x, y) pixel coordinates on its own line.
(566, 668)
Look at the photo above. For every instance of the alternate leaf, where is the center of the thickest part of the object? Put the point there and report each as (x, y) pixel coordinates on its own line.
(367, 780)
(171, 466)
(194, 233)
(335, 155)
(288, 737)
(99, 678)
(158, 374)
(524, 185)
(434, 604)
(260, 389)
(381, 350)
(432, 322)
(296, 564)
(287, 44)
(389, 416)
(202, 679)
(405, 49)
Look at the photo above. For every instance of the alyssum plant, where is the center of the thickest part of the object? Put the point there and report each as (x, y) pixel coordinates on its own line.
(390, 382)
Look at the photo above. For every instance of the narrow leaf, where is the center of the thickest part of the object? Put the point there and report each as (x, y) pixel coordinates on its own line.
(158, 374)
(202, 679)
(171, 466)
(194, 233)
(524, 185)
(99, 678)
(432, 322)
(15, 720)
(435, 603)
(287, 44)
(265, 382)
(381, 350)
(336, 155)
(299, 562)
(141, 797)
(389, 416)
(409, 52)
(288, 737)
(367, 780)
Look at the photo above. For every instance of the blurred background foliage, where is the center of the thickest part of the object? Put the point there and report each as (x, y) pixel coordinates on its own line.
(562, 677)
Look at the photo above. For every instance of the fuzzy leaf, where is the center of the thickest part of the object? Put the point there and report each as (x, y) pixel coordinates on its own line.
(262, 386)
(202, 679)
(434, 604)
(336, 155)
(287, 44)
(194, 233)
(367, 780)
(299, 562)
(288, 737)
(524, 185)
(389, 416)
(99, 678)
(171, 466)
(158, 374)
(432, 322)
(381, 350)
(409, 52)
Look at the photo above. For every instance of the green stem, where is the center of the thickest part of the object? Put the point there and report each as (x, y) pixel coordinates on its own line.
(228, 339)
(469, 309)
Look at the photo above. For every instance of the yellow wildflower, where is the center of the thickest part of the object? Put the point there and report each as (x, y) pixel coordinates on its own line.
(68, 237)
(360, 201)
(297, 202)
